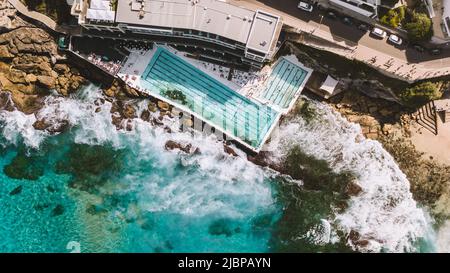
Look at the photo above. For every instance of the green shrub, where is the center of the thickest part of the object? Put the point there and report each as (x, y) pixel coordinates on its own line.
(419, 27)
(175, 95)
(394, 17)
(420, 94)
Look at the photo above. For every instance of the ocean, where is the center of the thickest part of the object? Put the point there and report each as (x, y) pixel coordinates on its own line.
(96, 189)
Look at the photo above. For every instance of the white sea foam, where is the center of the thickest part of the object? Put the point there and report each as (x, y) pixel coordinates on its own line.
(199, 193)
(15, 126)
(385, 212)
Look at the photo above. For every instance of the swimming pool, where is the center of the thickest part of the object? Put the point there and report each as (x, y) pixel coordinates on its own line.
(284, 84)
(185, 86)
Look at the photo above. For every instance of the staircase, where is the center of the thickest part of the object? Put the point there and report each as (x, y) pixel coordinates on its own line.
(427, 117)
(447, 116)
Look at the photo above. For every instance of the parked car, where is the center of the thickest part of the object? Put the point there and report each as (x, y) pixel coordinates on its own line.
(435, 51)
(395, 39)
(363, 27)
(419, 48)
(347, 21)
(331, 15)
(305, 6)
(378, 32)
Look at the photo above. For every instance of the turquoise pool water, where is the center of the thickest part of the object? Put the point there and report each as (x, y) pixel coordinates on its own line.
(178, 81)
(283, 84)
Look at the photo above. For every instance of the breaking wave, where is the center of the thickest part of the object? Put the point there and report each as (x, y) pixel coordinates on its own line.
(214, 185)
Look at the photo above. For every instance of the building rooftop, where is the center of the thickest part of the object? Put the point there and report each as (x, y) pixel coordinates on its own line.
(100, 10)
(439, 11)
(263, 32)
(257, 29)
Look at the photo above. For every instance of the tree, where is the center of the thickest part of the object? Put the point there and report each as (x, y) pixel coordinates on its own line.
(394, 17)
(419, 27)
(420, 94)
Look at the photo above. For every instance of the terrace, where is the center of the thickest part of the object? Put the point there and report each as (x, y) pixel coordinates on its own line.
(221, 101)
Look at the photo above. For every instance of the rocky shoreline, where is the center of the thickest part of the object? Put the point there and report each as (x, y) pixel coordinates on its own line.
(30, 66)
(390, 124)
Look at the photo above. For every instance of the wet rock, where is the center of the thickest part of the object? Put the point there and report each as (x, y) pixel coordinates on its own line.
(145, 115)
(258, 159)
(353, 189)
(5, 102)
(129, 111)
(58, 210)
(167, 129)
(156, 121)
(41, 124)
(110, 92)
(24, 167)
(172, 145)
(152, 107)
(17, 190)
(362, 243)
(129, 126)
(90, 166)
(227, 149)
(47, 81)
(353, 235)
(117, 121)
(164, 106)
(99, 101)
(28, 104)
(53, 127)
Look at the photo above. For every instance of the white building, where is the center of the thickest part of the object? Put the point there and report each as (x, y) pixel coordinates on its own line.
(355, 8)
(252, 36)
(439, 12)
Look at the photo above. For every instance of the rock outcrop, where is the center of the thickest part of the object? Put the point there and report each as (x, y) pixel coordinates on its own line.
(173, 145)
(28, 69)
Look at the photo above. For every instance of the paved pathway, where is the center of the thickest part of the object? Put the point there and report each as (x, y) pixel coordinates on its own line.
(33, 14)
(403, 63)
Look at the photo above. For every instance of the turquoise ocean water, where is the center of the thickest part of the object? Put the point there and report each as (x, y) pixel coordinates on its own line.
(117, 191)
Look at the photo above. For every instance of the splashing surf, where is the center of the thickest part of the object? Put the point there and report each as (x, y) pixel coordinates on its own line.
(213, 201)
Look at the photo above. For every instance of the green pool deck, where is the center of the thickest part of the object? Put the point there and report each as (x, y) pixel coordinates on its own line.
(284, 84)
(246, 120)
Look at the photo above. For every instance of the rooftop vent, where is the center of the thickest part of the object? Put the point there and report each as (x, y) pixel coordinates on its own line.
(228, 17)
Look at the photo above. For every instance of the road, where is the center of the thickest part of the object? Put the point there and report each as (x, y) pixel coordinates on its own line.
(38, 17)
(365, 46)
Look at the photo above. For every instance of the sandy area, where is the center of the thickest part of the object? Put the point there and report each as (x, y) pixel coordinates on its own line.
(437, 146)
